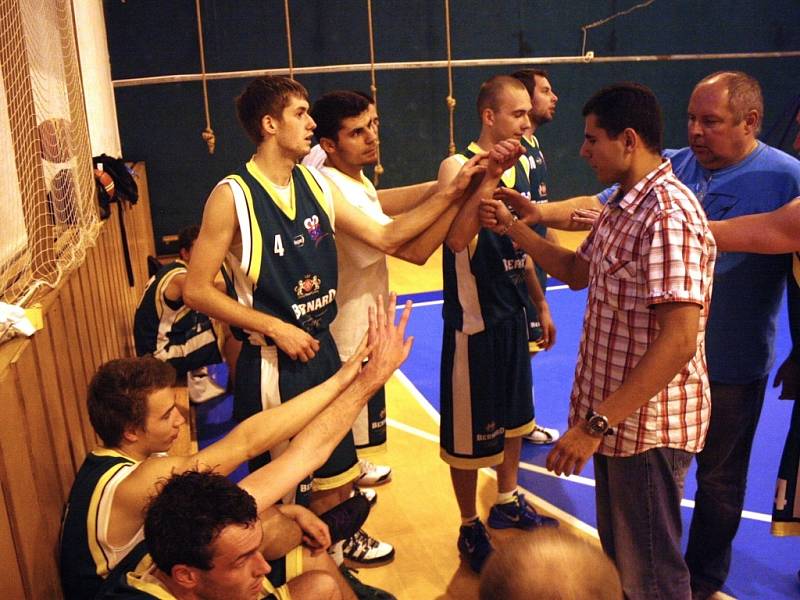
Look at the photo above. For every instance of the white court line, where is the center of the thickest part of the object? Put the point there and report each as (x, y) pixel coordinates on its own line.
(417, 395)
(428, 408)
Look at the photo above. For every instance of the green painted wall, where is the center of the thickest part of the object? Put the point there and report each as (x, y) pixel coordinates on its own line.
(161, 124)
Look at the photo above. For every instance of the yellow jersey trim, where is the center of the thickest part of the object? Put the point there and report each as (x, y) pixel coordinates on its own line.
(256, 244)
(290, 209)
(316, 189)
(102, 568)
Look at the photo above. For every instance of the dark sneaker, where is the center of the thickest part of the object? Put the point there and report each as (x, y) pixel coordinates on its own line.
(474, 545)
(345, 519)
(519, 514)
(369, 493)
(361, 589)
(365, 551)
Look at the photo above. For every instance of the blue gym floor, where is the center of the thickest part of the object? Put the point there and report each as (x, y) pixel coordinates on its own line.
(764, 567)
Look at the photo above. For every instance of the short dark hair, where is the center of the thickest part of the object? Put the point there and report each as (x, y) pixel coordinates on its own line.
(528, 78)
(492, 88)
(331, 109)
(187, 237)
(365, 95)
(118, 392)
(744, 94)
(628, 105)
(267, 95)
(187, 515)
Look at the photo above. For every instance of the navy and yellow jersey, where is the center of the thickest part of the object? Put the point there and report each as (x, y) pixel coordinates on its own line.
(140, 582)
(85, 561)
(170, 330)
(288, 267)
(485, 283)
(538, 177)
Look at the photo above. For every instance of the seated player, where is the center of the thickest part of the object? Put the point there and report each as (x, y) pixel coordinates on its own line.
(132, 409)
(204, 538)
(188, 340)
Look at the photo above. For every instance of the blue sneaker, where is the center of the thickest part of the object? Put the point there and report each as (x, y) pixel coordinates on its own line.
(474, 545)
(519, 514)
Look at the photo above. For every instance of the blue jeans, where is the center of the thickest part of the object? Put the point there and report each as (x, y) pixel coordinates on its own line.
(639, 521)
(721, 480)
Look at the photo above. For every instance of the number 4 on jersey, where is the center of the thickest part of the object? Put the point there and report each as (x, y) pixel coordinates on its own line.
(278, 248)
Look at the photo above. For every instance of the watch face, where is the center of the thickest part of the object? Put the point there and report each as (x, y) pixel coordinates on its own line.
(598, 424)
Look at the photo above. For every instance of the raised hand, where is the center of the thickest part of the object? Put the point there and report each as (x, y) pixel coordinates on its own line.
(389, 347)
(503, 156)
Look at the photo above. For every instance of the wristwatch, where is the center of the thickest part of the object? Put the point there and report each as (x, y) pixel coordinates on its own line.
(597, 425)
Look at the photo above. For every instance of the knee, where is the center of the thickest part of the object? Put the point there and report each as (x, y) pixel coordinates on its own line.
(315, 585)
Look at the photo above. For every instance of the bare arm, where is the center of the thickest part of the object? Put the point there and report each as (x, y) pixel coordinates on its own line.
(419, 249)
(252, 437)
(402, 199)
(674, 346)
(466, 224)
(560, 262)
(216, 235)
(281, 533)
(312, 446)
(775, 232)
(389, 238)
(560, 214)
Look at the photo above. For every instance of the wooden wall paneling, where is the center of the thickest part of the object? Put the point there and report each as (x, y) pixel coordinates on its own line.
(110, 271)
(71, 377)
(10, 575)
(31, 532)
(57, 387)
(46, 463)
(90, 343)
(94, 297)
(102, 261)
(116, 280)
(72, 298)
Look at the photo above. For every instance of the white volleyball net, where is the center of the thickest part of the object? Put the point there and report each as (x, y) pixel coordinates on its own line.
(47, 192)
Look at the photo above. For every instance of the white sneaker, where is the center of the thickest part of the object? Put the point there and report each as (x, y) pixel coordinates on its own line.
(373, 474)
(362, 550)
(368, 493)
(542, 435)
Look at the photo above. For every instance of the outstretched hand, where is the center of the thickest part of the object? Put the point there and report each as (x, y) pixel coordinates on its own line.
(527, 211)
(388, 346)
(585, 217)
(494, 215)
(503, 156)
(470, 174)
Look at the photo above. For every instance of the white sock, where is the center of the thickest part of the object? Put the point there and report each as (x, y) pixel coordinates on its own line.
(505, 497)
(469, 520)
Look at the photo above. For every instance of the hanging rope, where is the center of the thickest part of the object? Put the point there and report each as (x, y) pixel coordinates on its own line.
(289, 37)
(208, 133)
(451, 101)
(373, 88)
(588, 56)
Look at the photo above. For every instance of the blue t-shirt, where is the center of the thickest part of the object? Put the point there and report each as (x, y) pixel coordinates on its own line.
(748, 288)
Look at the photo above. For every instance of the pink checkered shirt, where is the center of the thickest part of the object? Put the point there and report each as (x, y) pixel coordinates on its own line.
(648, 247)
